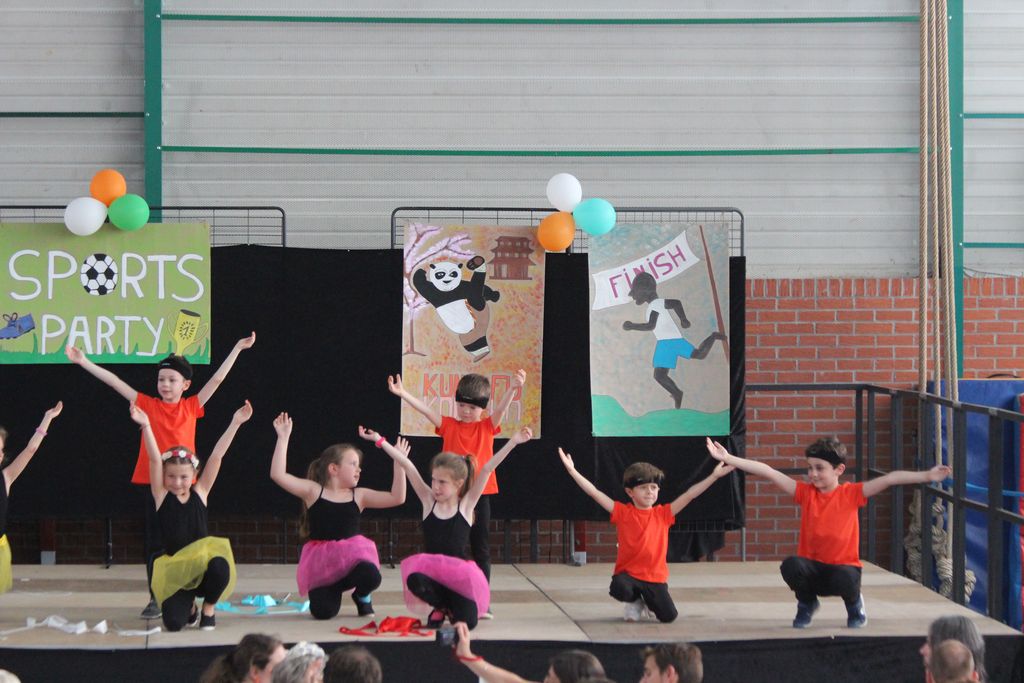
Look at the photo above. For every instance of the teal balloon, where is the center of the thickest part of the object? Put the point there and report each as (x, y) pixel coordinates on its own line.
(595, 216)
(129, 212)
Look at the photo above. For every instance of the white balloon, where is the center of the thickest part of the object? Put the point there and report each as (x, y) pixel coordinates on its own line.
(85, 215)
(564, 192)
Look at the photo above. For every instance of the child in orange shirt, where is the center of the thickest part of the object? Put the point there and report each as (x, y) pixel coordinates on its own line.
(173, 418)
(640, 578)
(828, 554)
(470, 432)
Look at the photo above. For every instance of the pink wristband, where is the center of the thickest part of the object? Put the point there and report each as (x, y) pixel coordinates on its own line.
(379, 442)
(40, 431)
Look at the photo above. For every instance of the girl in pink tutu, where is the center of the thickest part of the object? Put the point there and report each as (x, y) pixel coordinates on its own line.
(336, 557)
(442, 577)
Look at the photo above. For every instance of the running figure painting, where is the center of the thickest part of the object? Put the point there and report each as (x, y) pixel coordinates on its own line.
(673, 378)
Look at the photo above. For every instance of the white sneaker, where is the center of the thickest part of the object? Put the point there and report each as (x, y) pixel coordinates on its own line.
(647, 614)
(634, 611)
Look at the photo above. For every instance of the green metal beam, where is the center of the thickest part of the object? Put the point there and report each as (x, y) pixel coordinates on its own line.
(153, 103)
(956, 141)
(993, 245)
(567, 21)
(71, 114)
(782, 151)
(994, 115)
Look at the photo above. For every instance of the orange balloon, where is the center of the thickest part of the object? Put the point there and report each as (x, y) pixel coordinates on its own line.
(556, 231)
(108, 185)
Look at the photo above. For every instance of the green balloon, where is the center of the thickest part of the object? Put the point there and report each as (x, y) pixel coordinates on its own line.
(129, 212)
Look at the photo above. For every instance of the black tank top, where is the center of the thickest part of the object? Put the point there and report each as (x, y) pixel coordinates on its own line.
(330, 521)
(181, 523)
(446, 536)
(3, 504)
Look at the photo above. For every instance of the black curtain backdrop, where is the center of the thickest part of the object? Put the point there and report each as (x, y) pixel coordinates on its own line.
(329, 331)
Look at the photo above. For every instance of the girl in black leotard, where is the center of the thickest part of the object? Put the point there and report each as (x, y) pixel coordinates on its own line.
(336, 557)
(10, 473)
(442, 577)
(196, 564)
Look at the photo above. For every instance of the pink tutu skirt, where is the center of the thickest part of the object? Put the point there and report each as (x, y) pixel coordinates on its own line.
(462, 576)
(325, 562)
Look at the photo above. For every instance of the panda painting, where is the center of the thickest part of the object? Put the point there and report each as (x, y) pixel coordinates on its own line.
(461, 304)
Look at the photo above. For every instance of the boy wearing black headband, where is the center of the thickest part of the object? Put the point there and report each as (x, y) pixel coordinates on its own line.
(828, 554)
(173, 419)
(640, 578)
(468, 432)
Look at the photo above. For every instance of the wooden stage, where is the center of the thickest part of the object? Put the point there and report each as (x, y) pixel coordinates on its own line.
(729, 608)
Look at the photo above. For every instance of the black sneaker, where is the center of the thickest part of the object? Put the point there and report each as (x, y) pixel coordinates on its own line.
(364, 607)
(804, 613)
(856, 617)
(208, 622)
(152, 610)
(435, 619)
(193, 617)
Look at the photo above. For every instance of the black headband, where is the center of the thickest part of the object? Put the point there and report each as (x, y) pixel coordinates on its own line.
(178, 364)
(633, 482)
(472, 400)
(826, 454)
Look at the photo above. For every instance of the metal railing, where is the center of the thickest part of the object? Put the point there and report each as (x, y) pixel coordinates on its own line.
(229, 225)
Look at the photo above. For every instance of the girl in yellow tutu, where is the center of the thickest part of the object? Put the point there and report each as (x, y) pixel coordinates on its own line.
(336, 558)
(11, 473)
(196, 564)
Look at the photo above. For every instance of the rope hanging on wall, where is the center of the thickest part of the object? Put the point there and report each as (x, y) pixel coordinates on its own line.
(936, 325)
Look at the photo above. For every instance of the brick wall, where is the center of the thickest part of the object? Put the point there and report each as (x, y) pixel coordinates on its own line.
(798, 331)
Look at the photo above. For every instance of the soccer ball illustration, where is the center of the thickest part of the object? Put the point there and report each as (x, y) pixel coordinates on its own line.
(99, 274)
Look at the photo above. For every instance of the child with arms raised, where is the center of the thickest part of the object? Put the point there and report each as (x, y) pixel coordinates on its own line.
(468, 432)
(196, 564)
(640, 578)
(828, 554)
(336, 557)
(173, 420)
(12, 472)
(441, 577)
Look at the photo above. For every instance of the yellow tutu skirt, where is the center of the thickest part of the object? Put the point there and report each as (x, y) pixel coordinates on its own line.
(6, 577)
(184, 569)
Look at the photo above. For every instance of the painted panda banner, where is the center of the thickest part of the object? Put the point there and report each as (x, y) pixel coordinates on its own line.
(473, 301)
(659, 320)
(122, 297)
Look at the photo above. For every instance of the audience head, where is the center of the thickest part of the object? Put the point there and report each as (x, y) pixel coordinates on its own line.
(672, 663)
(352, 664)
(304, 663)
(951, 662)
(573, 666)
(251, 661)
(961, 628)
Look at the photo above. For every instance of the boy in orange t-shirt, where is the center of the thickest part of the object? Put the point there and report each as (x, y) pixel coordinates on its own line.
(173, 419)
(640, 577)
(828, 554)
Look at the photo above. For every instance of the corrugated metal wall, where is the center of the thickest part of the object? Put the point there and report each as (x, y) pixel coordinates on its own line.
(994, 145)
(471, 103)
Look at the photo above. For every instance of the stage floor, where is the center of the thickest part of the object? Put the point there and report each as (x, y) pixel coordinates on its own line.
(718, 601)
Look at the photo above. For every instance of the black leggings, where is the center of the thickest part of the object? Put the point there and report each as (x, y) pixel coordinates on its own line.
(810, 578)
(152, 542)
(439, 597)
(479, 536)
(325, 601)
(625, 588)
(179, 606)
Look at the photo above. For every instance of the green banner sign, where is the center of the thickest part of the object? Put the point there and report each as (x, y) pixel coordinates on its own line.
(122, 297)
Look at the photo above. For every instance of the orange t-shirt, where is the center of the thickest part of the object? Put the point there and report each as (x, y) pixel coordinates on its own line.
(471, 438)
(829, 529)
(643, 541)
(173, 424)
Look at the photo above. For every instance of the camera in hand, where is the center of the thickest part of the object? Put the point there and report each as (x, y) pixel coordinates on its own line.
(447, 636)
